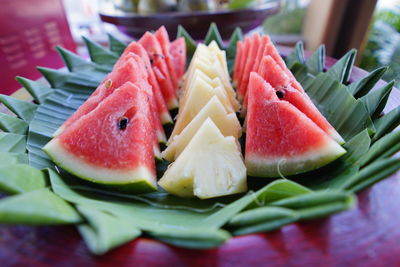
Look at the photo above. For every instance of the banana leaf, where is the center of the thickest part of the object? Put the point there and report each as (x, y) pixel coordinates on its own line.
(213, 35)
(21, 178)
(316, 62)
(24, 110)
(376, 101)
(12, 124)
(39, 207)
(347, 114)
(104, 231)
(117, 46)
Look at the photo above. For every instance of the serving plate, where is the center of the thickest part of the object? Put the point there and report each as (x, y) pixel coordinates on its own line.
(251, 244)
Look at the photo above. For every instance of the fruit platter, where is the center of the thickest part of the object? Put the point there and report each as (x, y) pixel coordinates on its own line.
(193, 144)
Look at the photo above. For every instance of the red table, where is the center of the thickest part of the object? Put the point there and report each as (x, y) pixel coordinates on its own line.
(368, 235)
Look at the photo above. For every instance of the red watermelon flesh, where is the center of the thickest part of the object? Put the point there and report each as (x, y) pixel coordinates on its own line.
(242, 63)
(136, 65)
(122, 73)
(270, 50)
(113, 144)
(130, 69)
(249, 63)
(138, 49)
(157, 59)
(272, 72)
(238, 59)
(162, 36)
(280, 139)
(178, 53)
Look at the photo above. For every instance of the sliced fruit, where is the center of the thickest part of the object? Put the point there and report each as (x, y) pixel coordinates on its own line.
(227, 123)
(238, 58)
(131, 69)
(220, 55)
(214, 82)
(250, 62)
(241, 64)
(178, 53)
(197, 97)
(210, 166)
(280, 139)
(274, 75)
(113, 144)
(270, 50)
(162, 36)
(138, 49)
(160, 68)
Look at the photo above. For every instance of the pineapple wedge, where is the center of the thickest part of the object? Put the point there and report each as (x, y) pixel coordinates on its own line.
(214, 82)
(227, 123)
(220, 54)
(198, 96)
(210, 166)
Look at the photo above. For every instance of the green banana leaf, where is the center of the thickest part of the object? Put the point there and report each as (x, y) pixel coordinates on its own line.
(104, 231)
(11, 124)
(107, 219)
(39, 207)
(20, 178)
(213, 35)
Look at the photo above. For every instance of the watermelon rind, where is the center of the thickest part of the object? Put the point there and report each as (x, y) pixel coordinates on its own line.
(262, 166)
(139, 179)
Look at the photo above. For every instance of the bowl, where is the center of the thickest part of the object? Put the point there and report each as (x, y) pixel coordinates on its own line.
(196, 23)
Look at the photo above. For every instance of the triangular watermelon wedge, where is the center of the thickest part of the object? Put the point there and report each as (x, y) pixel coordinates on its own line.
(280, 139)
(272, 72)
(178, 53)
(160, 68)
(162, 36)
(113, 144)
(249, 63)
(238, 61)
(138, 49)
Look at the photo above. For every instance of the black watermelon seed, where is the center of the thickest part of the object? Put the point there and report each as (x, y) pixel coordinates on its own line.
(280, 94)
(151, 61)
(123, 123)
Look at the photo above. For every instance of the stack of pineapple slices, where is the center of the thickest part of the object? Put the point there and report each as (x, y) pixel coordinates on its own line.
(204, 143)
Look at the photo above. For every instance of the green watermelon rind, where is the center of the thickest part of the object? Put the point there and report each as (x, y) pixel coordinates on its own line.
(137, 185)
(261, 166)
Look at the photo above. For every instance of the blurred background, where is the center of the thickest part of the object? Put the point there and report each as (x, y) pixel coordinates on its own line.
(29, 29)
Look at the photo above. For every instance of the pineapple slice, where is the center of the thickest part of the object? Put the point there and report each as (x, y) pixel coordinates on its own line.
(212, 70)
(220, 54)
(198, 96)
(210, 166)
(228, 124)
(215, 82)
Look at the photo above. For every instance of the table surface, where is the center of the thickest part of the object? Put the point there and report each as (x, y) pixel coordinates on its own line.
(367, 235)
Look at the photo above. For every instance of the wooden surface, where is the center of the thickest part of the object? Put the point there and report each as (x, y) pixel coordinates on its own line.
(368, 235)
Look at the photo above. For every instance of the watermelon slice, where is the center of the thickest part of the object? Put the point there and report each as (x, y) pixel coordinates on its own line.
(113, 144)
(138, 49)
(254, 63)
(131, 69)
(241, 64)
(162, 36)
(249, 63)
(238, 58)
(160, 68)
(280, 139)
(272, 72)
(178, 53)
